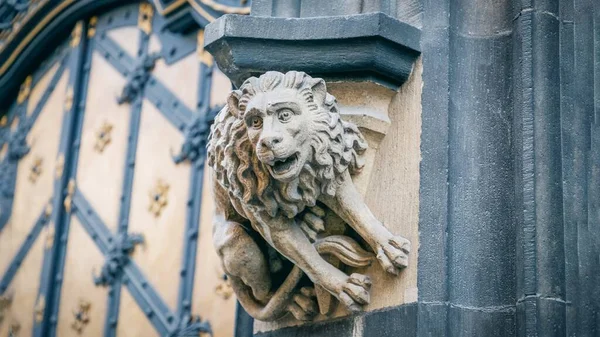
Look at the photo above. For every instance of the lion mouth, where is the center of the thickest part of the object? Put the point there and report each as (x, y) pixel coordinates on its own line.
(284, 165)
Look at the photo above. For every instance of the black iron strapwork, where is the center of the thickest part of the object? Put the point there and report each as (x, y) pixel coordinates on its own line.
(137, 79)
(117, 257)
(196, 136)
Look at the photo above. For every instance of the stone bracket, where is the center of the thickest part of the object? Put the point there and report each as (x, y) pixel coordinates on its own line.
(363, 47)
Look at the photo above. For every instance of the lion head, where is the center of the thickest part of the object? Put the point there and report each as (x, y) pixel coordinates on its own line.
(280, 143)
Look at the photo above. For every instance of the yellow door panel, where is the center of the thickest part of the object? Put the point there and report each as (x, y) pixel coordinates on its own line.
(82, 261)
(35, 174)
(181, 78)
(102, 158)
(154, 46)
(127, 38)
(38, 90)
(213, 297)
(162, 219)
(3, 151)
(122, 171)
(24, 290)
(133, 322)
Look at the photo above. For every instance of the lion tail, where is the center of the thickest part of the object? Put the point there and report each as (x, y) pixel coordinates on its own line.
(348, 251)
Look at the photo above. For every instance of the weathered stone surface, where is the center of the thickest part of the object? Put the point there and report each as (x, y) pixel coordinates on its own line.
(283, 161)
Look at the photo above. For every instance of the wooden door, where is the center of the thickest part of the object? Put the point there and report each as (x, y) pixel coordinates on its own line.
(105, 216)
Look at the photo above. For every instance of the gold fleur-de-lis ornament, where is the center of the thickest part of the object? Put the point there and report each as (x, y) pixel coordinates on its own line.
(103, 137)
(13, 329)
(158, 198)
(81, 316)
(36, 169)
(224, 288)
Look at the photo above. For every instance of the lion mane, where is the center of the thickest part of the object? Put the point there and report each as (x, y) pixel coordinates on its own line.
(336, 146)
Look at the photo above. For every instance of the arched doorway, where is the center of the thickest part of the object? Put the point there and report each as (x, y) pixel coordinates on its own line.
(103, 227)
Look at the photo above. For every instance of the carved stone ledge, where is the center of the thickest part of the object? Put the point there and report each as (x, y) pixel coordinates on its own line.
(364, 47)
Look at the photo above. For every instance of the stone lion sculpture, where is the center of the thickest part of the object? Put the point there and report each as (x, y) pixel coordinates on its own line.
(282, 161)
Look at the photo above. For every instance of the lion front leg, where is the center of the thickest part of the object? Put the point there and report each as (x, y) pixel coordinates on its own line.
(291, 242)
(392, 250)
(241, 257)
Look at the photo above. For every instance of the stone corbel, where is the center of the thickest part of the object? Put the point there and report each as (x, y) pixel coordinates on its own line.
(346, 69)
(285, 163)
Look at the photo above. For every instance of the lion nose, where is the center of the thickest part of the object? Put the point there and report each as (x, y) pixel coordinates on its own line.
(270, 142)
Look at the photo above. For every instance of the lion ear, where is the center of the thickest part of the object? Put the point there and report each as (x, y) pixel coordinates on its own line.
(319, 90)
(233, 102)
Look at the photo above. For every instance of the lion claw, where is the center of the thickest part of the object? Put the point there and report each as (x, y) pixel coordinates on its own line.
(393, 254)
(355, 292)
(304, 306)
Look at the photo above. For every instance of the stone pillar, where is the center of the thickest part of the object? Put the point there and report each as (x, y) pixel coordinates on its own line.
(370, 62)
(481, 227)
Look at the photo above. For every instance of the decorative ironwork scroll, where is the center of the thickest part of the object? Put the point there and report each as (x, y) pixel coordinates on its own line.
(196, 136)
(138, 78)
(117, 258)
(81, 316)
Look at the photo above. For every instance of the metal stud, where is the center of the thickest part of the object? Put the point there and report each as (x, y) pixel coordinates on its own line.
(25, 90)
(69, 99)
(60, 166)
(50, 236)
(68, 202)
(48, 210)
(76, 34)
(39, 309)
(92, 27)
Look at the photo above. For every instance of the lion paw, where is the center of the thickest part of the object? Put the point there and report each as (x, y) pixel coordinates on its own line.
(393, 254)
(312, 222)
(304, 306)
(355, 292)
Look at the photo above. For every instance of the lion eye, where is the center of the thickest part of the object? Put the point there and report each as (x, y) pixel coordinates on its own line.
(284, 115)
(256, 122)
